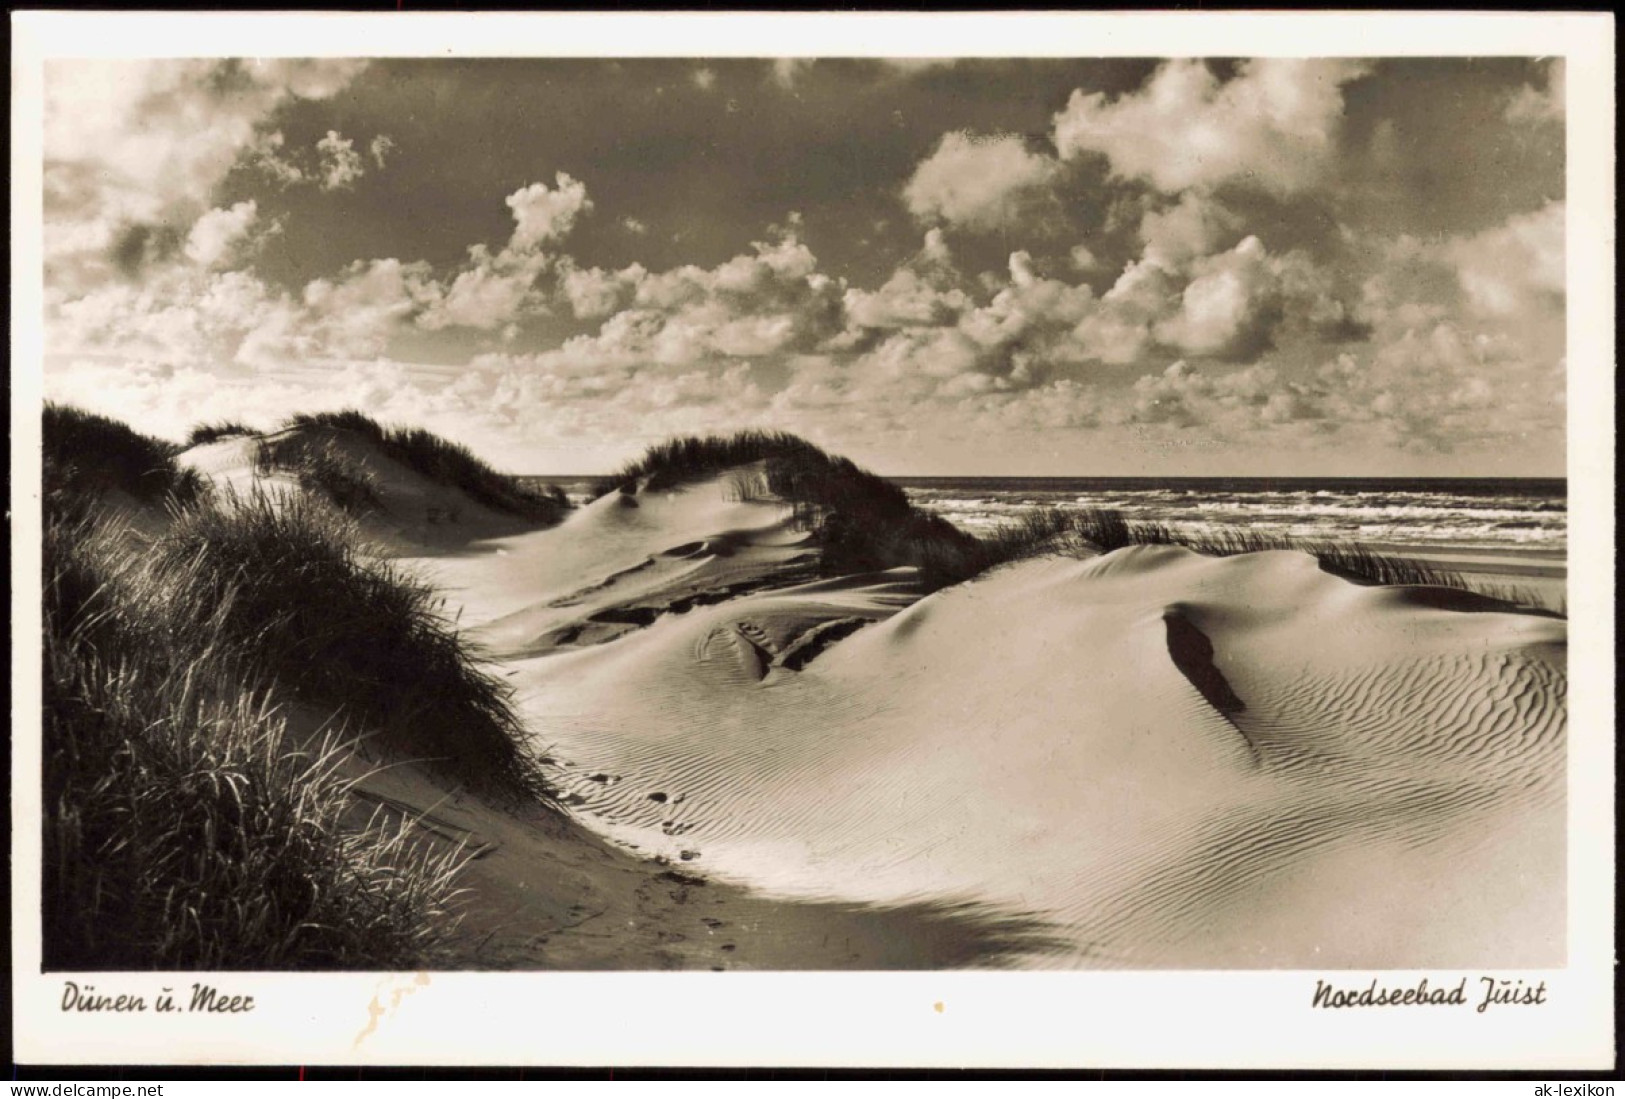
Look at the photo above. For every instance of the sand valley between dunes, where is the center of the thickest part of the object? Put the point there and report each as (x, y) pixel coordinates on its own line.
(1144, 759)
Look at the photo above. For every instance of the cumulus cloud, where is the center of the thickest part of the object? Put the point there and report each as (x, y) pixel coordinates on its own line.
(906, 299)
(333, 163)
(167, 129)
(181, 314)
(1451, 342)
(1185, 397)
(1120, 330)
(1514, 266)
(265, 155)
(340, 164)
(356, 313)
(543, 213)
(976, 182)
(1237, 301)
(1231, 304)
(1272, 126)
(925, 325)
(1443, 388)
(144, 143)
(1530, 105)
(769, 302)
(594, 293)
(192, 313)
(496, 289)
(922, 292)
(215, 236)
(1196, 225)
(492, 291)
(1510, 277)
(1429, 390)
(1228, 308)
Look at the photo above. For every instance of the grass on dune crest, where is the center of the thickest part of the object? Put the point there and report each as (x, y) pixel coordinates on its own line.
(447, 463)
(85, 456)
(1103, 530)
(182, 827)
(221, 429)
(187, 825)
(285, 583)
(860, 521)
(322, 468)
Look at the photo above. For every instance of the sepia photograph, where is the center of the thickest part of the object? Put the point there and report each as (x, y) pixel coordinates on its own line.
(549, 515)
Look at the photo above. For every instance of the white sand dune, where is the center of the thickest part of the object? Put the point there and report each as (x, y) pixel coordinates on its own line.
(1146, 759)
(1172, 760)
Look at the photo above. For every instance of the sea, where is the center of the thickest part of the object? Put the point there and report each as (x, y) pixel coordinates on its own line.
(1458, 514)
(1528, 516)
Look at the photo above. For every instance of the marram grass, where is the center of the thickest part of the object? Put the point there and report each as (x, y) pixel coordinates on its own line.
(445, 463)
(184, 827)
(189, 821)
(86, 457)
(860, 522)
(320, 467)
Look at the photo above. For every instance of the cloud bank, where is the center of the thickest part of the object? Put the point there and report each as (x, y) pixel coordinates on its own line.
(1178, 259)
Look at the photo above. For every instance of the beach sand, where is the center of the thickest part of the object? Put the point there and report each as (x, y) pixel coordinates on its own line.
(1146, 759)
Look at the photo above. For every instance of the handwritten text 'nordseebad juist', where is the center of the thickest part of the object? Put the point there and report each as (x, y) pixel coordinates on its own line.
(1488, 992)
(199, 998)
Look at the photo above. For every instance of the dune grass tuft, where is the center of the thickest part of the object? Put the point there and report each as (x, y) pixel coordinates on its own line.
(85, 456)
(445, 462)
(296, 595)
(221, 429)
(188, 824)
(860, 521)
(320, 467)
(183, 829)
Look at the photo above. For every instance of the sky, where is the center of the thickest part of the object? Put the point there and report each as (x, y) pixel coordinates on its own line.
(979, 266)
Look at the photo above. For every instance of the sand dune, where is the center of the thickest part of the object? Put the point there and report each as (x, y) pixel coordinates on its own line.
(617, 564)
(1149, 758)
(1171, 760)
(417, 515)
